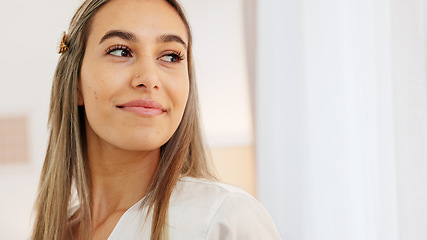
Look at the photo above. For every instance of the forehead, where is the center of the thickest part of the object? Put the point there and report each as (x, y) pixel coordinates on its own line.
(144, 18)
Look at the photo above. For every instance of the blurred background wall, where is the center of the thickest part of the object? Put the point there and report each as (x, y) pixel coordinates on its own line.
(317, 108)
(341, 130)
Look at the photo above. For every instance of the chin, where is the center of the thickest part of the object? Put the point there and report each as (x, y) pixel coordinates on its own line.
(141, 144)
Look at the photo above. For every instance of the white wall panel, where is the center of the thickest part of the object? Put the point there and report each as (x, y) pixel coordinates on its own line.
(410, 115)
(325, 155)
(220, 61)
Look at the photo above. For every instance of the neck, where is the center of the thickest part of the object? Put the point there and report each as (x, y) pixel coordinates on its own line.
(119, 178)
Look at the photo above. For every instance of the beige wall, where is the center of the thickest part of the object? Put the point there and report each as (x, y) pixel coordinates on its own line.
(236, 165)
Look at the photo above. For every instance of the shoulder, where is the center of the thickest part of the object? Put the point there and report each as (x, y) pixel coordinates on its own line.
(189, 187)
(219, 211)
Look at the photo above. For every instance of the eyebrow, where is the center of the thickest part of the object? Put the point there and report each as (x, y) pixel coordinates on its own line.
(165, 38)
(171, 38)
(118, 33)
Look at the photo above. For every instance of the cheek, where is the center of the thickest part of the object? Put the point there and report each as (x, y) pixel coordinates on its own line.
(181, 88)
(177, 89)
(181, 94)
(88, 84)
(98, 85)
(95, 96)
(90, 93)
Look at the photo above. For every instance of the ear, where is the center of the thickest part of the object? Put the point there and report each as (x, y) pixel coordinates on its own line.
(80, 101)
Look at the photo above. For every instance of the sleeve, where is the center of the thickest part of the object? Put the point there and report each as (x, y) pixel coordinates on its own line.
(242, 217)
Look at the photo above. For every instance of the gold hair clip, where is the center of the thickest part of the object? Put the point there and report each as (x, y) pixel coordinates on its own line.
(63, 46)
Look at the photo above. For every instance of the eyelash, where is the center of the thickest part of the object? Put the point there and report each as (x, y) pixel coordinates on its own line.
(177, 55)
(118, 47)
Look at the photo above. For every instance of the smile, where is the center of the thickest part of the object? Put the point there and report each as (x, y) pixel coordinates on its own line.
(143, 108)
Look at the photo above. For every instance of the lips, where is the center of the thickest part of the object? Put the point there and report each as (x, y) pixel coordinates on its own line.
(143, 107)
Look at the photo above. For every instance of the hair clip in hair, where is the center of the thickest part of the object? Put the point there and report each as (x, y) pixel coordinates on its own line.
(63, 46)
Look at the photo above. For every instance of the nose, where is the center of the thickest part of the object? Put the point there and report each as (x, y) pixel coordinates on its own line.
(145, 75)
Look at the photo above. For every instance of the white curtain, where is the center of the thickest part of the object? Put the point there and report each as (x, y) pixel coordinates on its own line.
(341, 118)
(220, 61)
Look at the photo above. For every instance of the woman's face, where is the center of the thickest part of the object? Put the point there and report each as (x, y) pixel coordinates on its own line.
(134, 79)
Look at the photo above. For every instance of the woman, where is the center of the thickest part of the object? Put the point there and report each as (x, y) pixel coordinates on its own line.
(125, 139)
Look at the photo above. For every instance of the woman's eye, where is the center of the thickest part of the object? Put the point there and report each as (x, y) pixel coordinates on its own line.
(119, 51)
(172, 58)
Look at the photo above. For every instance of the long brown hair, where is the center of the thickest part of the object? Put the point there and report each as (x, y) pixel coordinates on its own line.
(65, 169)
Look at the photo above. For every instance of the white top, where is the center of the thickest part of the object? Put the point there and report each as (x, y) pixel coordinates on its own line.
(201, 209)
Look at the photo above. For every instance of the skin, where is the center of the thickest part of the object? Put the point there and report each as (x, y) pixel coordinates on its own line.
(124, 147)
